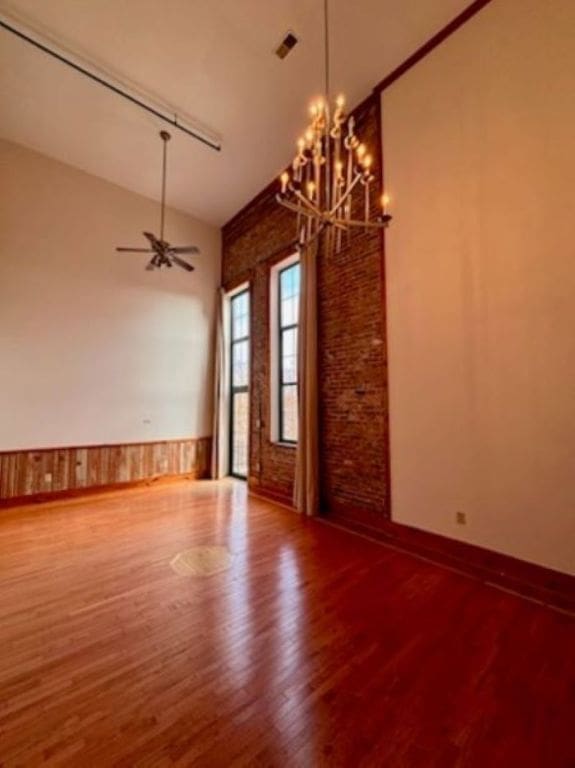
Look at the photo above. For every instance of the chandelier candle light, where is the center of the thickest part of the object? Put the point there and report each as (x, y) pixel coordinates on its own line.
(331, 166)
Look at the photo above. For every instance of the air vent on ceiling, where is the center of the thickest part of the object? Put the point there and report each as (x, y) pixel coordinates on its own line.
(287, 44)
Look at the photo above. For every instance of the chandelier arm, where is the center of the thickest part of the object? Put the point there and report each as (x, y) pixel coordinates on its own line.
(308, 203)
(358, 223)
(343, 224)
(298, 209)
(312, 238)
(336, 222)
(346, 194)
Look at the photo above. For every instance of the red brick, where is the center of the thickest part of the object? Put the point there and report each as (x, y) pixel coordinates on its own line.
(352, 350)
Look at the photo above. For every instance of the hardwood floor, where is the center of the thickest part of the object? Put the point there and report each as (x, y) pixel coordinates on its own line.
(316, 648)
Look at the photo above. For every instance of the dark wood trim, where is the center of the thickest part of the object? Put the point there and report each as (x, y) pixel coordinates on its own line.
(529, 580)
(267, 190)
(385, 404)
(104, 445)
(431, 44)
(73, 493)
(363, 105)
(276, 495)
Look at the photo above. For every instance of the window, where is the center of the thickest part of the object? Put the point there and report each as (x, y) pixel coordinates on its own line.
(239, 377)
(287, 304)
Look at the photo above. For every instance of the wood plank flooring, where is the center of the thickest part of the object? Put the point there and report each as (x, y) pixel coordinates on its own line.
(316, 648)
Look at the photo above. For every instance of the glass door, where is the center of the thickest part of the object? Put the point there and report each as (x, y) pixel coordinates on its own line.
(240, 379)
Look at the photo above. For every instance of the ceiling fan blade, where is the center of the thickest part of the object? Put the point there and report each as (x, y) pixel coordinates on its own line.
(164, 255)
(181, 263)
(153, 239)
(184, 249)
(134, 250)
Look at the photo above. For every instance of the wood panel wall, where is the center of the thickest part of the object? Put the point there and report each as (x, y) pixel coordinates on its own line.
(59, 470)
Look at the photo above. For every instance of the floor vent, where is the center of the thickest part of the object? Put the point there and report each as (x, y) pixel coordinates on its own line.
(201, 561)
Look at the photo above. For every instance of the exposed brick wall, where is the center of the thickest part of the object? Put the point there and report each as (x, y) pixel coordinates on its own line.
(252, 243)
(353, 381)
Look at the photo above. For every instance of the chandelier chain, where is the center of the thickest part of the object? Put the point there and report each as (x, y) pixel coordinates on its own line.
(326, 50)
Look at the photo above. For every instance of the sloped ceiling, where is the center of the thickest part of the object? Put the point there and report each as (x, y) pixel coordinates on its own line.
(212, 61)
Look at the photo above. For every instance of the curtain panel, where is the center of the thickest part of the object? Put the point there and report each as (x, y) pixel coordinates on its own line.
(306, 486)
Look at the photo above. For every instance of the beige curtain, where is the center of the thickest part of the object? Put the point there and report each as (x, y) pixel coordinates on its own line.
(219, 444)
(306, 488)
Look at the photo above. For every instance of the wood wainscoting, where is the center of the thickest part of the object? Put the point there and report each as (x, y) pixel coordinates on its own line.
(37, 475)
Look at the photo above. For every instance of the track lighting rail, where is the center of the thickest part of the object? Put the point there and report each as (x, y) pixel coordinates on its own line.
(173, 121)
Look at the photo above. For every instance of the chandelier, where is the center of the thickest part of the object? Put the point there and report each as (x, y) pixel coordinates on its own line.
(332, 169)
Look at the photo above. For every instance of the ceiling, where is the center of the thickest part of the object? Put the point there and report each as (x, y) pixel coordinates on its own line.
(212, 61)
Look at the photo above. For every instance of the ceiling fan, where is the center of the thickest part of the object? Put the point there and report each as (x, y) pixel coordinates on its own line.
(164, 254)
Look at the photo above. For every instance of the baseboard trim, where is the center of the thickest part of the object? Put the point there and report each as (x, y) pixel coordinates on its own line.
(271, 494)
(529, 580)
(72, 493)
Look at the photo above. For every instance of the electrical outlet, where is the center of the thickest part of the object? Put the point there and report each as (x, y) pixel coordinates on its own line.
(461, 518)
(48, 477)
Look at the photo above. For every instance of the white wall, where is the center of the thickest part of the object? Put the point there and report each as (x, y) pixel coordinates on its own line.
(93, 348)
(479, 146)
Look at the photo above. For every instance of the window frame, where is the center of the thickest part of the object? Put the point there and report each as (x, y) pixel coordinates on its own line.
(277, 331)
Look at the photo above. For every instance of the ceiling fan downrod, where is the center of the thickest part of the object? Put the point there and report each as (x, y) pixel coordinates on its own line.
(164, 254)
(165, 136)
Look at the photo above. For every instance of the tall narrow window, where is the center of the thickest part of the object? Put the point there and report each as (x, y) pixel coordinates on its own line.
(240, 375)
(288, 309)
